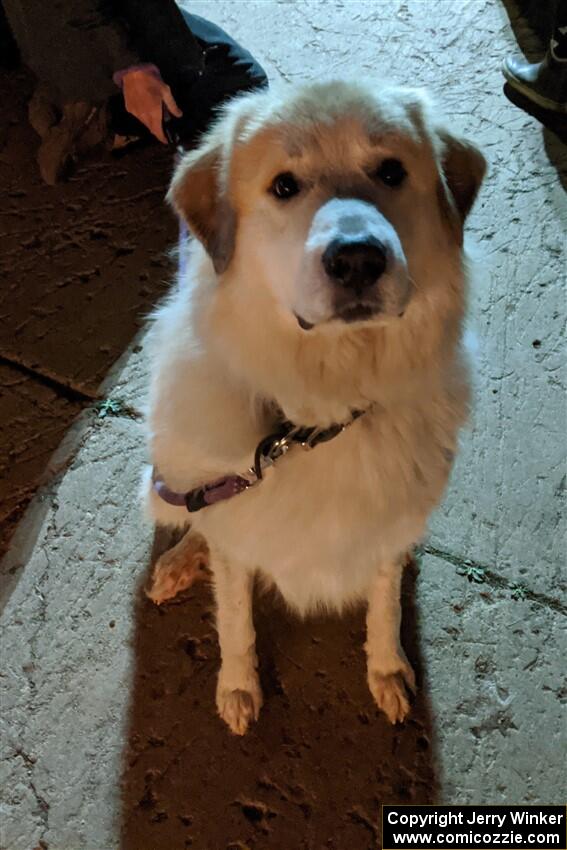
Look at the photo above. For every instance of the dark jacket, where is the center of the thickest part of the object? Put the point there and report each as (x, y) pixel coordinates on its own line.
(75, 46)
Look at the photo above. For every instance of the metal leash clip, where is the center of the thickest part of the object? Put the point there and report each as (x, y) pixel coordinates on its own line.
(278, 449)
(270, 450)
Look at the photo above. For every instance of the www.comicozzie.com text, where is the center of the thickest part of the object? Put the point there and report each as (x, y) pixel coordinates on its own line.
(475, 818)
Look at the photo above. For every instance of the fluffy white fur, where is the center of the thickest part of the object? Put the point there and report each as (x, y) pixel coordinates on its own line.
(333, 525)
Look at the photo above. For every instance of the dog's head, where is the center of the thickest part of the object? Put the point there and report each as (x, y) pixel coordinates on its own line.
(334, 196)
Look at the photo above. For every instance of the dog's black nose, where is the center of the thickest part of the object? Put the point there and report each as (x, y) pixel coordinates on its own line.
(356, 264)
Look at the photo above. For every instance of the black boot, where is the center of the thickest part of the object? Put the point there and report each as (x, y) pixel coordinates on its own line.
(544, 83)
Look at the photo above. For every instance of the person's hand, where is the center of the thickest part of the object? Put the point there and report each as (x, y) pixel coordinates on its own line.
(145, 95)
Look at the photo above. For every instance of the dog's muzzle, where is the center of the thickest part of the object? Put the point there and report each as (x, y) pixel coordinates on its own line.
(355, 267)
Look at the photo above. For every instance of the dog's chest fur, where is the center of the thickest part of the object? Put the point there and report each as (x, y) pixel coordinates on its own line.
(321, 521)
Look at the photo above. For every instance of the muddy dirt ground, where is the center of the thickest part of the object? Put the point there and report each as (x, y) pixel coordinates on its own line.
(81, 264)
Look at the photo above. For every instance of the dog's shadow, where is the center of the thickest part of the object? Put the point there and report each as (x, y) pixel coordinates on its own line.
(311, 773)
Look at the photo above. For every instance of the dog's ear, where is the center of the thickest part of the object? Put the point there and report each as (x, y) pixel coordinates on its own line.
(199, 194)
(461, 163)
(463, 168)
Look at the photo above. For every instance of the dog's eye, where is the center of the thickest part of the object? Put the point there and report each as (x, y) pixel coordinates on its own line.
(391, 172)
(284, 186)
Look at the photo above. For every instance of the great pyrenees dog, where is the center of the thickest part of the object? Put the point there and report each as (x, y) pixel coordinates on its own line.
(308, 379)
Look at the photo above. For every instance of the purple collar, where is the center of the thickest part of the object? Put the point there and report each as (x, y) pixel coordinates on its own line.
(201, 497)
(268, 451)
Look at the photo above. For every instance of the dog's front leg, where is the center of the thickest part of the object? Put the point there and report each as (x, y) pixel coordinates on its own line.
(239, 697)
(388, 668)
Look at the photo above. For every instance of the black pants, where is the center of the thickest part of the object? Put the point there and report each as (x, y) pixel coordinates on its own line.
(228, 70)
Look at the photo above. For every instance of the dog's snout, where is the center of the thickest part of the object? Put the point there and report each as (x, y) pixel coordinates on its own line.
(355, 264)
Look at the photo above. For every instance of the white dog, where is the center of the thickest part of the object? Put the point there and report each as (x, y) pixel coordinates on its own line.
(327, 289)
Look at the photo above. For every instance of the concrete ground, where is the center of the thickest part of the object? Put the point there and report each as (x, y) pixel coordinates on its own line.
(109, 737)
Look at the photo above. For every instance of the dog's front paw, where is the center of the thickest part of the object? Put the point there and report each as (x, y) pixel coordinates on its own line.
(238, 707)
(179, 568)
(390, 690)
